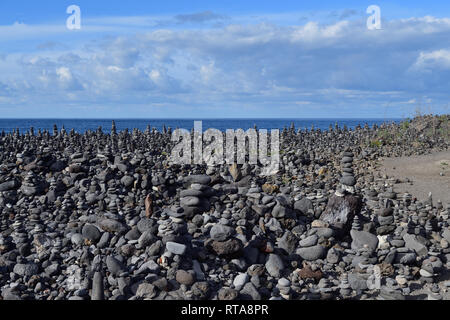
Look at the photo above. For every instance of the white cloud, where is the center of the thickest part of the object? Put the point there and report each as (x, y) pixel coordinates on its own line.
(257, 64)
(433, 59)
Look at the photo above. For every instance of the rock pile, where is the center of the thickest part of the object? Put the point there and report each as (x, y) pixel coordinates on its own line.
(108, 216)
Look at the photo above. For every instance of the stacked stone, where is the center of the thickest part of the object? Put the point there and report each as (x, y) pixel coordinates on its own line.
(19, 234)
(385, 219)
(345, 288)
(30, 186)
(348, 180)
(195, 199)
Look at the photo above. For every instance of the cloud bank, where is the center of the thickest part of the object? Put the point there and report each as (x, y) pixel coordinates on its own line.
(236, 70)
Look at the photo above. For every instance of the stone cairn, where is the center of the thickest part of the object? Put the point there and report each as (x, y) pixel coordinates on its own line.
(348, 180)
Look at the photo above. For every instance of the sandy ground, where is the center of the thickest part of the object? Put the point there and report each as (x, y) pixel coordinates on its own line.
(424, 173)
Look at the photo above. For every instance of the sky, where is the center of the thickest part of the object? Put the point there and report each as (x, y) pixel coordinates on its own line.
(224, 59)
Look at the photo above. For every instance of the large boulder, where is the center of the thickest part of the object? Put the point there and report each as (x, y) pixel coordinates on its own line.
(340, 211)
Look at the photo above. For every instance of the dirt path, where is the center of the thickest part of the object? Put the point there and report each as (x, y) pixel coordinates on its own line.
(424, 172)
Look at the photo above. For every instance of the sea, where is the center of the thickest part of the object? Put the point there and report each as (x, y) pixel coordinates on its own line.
(83, 125)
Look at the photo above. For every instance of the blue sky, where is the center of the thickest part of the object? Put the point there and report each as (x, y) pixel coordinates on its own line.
(211, 59)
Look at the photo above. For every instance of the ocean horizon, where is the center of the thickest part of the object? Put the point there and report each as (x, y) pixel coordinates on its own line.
(83, 125)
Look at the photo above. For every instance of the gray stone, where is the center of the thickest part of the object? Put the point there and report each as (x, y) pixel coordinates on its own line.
(189, 201)
(97, 287)
(333, 256)
(77, 239)
(389, 294)
(348, 180)
(446, 234)
(274, 265)
(10, 294)
(220, 232)
(112, 226)
(312, 253)
(176, 248)
(127, 181)
(184, 277)
(9, 185)
(146, 239)
(288, 242)
(133, 234)
(146, 291)
(303, 205)
(201, 179)
(28, 269)
(385, 221)
(104, 240)
(249, 292)
(325, 232)
(357, 282)
(114, 266)
(411, 242)
(91, 233)
(240, 280)
(363, 239)
(309, 241)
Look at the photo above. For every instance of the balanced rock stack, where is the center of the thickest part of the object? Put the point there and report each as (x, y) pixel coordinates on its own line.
(348, 180)
(195, 199)
(344, 204)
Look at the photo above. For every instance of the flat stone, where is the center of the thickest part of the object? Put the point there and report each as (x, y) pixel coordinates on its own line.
(9, 185)
(363, 239)
(201, 179)
(411, 242)
(312, 253)
(348, 180)
(190, 201)
(112, 226)
(91, 233)
(176, 248)
(309, 241)
(28, 269)
(220, 232)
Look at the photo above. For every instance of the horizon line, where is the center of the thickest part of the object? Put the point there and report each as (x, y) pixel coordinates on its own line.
(288, 118)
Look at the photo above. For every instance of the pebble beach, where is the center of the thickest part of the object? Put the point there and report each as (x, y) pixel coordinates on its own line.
(108, 216)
